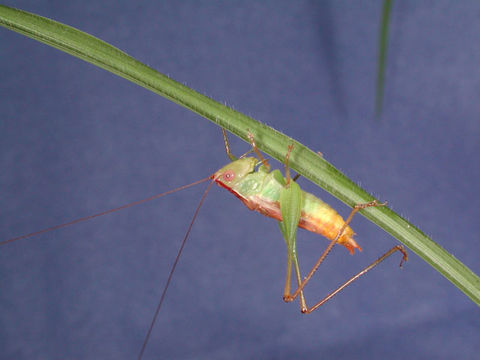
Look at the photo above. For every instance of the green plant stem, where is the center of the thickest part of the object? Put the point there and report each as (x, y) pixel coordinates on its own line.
(302, 160)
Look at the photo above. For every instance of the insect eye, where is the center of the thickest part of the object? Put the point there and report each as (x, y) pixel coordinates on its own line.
(228, 176)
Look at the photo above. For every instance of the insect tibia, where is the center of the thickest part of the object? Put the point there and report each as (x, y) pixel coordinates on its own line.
(403, 251)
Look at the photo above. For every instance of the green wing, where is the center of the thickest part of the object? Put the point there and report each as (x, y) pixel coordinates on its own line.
(291, 198)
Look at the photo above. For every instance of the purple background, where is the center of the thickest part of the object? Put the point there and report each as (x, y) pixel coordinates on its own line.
(75, 140)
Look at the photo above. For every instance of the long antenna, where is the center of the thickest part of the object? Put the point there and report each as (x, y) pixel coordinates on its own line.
(172, 270)
(4, 242)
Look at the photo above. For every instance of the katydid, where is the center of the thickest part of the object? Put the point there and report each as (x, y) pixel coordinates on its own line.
(271, 194)
(281, 198)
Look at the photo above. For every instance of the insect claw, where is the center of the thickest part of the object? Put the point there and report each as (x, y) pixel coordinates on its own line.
(373, 203)
(405, 255)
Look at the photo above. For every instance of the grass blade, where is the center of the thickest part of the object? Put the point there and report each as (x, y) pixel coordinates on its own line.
(382, 57)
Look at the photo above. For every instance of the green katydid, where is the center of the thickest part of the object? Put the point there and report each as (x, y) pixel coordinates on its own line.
(273, 195)
(281, 198)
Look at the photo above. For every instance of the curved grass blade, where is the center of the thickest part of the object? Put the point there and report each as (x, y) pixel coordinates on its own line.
(303, 160)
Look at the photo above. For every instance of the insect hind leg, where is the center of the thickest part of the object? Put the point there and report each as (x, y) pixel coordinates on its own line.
(356, 208)
(396, 248)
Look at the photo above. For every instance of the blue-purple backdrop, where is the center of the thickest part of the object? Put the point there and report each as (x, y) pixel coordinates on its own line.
(75, 140)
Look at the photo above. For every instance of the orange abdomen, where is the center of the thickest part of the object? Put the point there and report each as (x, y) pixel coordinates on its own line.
(318, 217)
